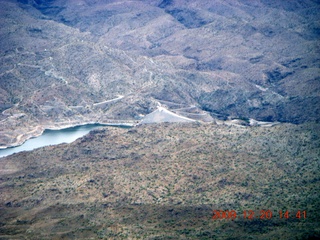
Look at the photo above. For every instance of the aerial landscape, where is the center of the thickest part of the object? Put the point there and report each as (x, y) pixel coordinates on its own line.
(204, 118)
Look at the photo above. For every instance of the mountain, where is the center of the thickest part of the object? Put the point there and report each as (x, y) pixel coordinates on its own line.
(62, 62)
(227, 96)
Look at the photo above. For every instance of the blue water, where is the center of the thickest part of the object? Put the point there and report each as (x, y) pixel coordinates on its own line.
(52, 137)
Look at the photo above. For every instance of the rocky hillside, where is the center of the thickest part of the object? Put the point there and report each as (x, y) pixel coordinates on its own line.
(163, 181)
(67, 62)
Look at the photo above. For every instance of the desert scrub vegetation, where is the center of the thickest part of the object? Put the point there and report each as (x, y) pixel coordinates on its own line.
(163, 181)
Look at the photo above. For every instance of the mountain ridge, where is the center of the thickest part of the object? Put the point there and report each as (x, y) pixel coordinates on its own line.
(231, 59)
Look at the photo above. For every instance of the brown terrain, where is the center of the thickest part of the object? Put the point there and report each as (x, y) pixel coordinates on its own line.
(220, 68)
(162, 181)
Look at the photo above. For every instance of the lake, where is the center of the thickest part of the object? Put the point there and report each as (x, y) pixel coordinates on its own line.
(53, 137)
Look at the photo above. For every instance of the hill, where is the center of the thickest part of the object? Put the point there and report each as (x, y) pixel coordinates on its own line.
(163, 181)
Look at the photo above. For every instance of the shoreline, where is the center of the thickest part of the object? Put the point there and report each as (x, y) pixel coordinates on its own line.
(21, 139)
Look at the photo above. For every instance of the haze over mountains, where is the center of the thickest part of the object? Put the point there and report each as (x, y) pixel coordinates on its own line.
(236, 59)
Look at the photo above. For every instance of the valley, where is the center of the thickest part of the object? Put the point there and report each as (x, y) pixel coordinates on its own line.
(226, 58)
(222, 98)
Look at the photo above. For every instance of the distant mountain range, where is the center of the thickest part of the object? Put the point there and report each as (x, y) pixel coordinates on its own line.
(229, 59)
